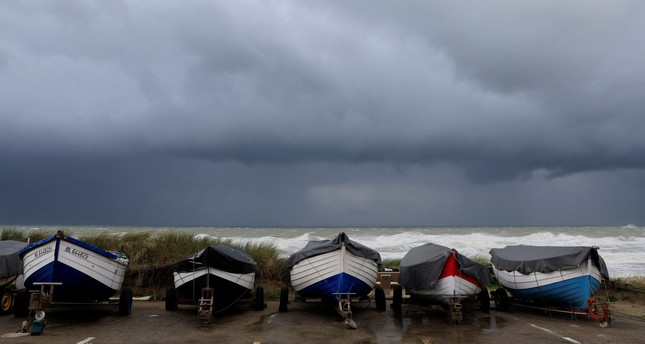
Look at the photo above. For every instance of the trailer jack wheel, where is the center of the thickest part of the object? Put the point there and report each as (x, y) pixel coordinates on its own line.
(5, 301)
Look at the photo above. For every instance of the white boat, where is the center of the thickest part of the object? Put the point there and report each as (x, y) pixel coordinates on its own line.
(437, 274)
(327, 269)
(560, 276)
(227, 273)
(335, 271)
(80, 272)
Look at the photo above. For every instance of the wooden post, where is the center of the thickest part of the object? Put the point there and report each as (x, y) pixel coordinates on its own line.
(386, 281)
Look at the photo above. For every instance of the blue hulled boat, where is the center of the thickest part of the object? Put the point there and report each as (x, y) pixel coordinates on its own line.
(566, 277)
(334, 270)
(86, 273)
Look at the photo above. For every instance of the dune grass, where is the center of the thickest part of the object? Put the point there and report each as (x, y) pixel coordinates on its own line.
(20, 235)
(391, 263)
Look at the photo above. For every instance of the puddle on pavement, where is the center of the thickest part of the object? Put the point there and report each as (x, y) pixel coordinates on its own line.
(489, 323)
(434, 326)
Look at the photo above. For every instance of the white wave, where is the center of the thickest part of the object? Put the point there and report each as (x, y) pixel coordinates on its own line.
(630, 226)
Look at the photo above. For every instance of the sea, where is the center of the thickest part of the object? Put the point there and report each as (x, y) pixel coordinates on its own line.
(622, 247)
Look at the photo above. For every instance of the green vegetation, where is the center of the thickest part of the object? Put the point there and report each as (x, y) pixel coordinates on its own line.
(19, 235)
(482, 260)
(391, 263)
(636, 282)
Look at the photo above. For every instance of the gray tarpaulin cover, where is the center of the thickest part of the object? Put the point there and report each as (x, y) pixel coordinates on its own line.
(528, 259)
(222, 257)
(10, 263)
(317, 247)
(422, 265)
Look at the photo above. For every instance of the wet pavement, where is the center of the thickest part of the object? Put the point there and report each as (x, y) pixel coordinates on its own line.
(308, 323)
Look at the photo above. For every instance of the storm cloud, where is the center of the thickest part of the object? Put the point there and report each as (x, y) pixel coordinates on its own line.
(322, 113)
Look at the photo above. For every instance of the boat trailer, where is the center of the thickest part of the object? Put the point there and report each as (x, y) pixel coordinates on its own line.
(31, 303)
(345, 308)
(35, 324)
(596, 310)
(205, 306)
(599, 311)
(454, 308)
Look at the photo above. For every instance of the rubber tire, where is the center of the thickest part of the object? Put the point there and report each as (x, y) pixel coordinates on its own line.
(484, 300)
(284, 299)
(125, 302)
(379, 296)
(21, 304)
(6, 301)
(501, 300)
(397, 298)
(171, 299)
(259, 299)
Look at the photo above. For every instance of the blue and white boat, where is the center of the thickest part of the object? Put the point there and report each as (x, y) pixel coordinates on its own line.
(565, 277)
(80, 272)
(335, 269)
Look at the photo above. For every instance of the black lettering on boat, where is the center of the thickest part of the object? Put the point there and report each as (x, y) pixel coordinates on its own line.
(80, 253)
(43, 251)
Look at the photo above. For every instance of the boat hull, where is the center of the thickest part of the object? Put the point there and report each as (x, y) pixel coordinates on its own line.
(85, 275)
(228, 287)
(568, 289)
(452, 284)
(331, 274)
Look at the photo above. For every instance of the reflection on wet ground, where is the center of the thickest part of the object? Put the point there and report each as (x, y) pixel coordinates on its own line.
(418, 324)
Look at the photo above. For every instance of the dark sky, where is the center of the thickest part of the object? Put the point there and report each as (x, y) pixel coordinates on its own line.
(319, 113)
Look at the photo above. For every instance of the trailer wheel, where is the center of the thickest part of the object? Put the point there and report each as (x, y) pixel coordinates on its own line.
(125, 302)
(21, 304)
(6, 300)
(379, 295)
(397, 298)
(259, 298)
(284, 299)
(484, 300)
(171, 299)
(501, 300)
